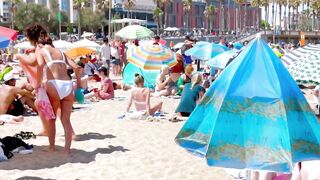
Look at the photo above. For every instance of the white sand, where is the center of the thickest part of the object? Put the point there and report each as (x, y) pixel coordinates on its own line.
(108, 149)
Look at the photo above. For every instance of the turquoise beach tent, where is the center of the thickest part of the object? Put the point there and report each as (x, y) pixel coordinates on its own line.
(130, 70)
(254, 116)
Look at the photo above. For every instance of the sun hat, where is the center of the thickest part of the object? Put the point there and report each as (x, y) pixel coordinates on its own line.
(8, 77)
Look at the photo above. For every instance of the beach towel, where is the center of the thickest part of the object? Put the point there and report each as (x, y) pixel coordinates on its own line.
(44, 105)
(136, 115)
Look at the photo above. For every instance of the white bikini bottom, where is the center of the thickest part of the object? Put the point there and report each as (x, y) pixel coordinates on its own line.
(63, 87)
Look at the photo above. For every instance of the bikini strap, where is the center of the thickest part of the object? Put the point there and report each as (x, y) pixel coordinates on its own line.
(48, 54)
(63, 56)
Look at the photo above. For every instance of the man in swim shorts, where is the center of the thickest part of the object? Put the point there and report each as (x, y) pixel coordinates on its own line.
(13, 98)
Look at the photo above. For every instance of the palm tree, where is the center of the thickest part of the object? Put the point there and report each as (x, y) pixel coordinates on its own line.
(157, 14)
(128, 5)
(280, 4)
(265, 4)
(165, 4)
(315, 7)
(104, 6)
(295, 5)
(239, 2)
(221, 15)
(187, 7)
(12, 10)
(206, 12)
(256, 3)
(209, 13)
(78, 5)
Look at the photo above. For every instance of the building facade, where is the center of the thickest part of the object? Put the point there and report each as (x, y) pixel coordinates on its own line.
(226, 15)
(229, 12)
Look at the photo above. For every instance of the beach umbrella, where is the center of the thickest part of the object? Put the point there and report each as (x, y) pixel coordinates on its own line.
(238, 45)
(200, 43)
(63, 45)
(4, 42)
(306, 70)
(8, 33)
(87, 34)
(220, 61)
(294, 55)
(134, 32)
(151, 57)
(23, 45)
(79, 51)
(150, 76)
(86, 43)
(206, 51)
(254, 116)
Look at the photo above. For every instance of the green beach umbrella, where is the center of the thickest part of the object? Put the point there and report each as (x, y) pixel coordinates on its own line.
(134, 32)
(306, 70)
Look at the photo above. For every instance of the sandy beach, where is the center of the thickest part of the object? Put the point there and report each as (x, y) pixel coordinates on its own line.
(108, 148)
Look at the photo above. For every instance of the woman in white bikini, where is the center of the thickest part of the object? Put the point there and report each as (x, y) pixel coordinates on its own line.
(140, 96)
(52, 75)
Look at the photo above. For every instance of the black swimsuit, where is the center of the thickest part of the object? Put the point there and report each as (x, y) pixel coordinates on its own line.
(16, 108)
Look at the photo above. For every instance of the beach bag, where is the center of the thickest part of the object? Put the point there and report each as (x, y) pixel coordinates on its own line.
(44, 105)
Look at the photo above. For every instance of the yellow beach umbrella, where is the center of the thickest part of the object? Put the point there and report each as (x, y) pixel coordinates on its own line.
(79, 51)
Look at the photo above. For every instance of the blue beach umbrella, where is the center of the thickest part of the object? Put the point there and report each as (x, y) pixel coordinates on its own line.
(254, 116)
(150, 76)
(4, 42)
(201, 43)
(220, 61)
(206, 51)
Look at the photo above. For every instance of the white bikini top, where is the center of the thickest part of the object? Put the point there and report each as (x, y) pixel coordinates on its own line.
(51, 61)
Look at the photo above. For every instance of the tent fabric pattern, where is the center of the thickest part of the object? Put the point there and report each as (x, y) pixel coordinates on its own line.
(254, 116)
(307, 69)
(294, 55)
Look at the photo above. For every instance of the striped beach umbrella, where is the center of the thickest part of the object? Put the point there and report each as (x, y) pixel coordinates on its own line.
(7, 35)
(134, 32)
(306, 70)
(294, 55)
(151, 57)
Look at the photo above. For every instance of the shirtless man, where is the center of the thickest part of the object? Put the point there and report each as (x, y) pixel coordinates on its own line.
(13, 98)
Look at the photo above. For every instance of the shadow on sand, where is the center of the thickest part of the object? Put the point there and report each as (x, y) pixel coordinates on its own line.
(31, 178)
(41, 159)
(91, 135)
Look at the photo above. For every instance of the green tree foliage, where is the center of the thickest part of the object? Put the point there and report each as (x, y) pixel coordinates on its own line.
(92, 21)
(187, 8)
(209, 14)
(265, 25)
(69, 28)
(128, 5)
(28, 14)
(157, 15)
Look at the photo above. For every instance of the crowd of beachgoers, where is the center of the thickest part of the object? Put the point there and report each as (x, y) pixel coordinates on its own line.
(98, 76)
